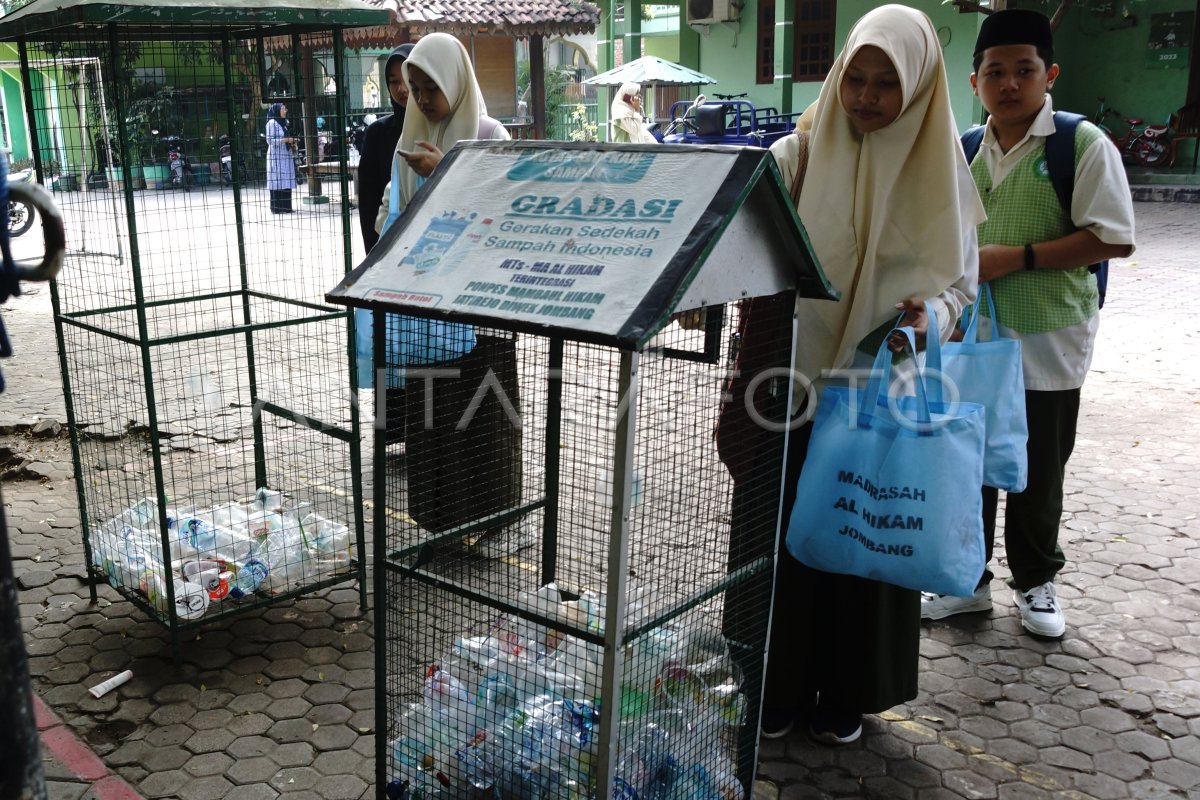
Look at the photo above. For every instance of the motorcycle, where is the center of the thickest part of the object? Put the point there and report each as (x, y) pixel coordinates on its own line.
(20, 212)
(226, 151)
(180, 165)
(29, 195)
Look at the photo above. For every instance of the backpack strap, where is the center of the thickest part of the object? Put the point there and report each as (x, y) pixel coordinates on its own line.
(1060, 156)
(971, 139)
(1060, 163)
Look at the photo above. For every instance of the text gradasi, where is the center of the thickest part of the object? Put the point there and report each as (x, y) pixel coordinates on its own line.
(599, 207)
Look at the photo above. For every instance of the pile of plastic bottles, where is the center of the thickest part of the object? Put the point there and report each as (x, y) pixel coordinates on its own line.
(226, 552)
(514, 714)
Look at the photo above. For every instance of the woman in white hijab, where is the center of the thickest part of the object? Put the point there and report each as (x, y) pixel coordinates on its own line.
(445, 107)
(890, 207)
(463, 460)
(628, 122)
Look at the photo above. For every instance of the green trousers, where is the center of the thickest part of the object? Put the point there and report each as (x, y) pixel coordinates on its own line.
(1032, 517)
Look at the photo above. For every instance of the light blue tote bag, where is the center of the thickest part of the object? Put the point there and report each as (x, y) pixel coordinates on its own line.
(411, 341)
(988, 373)
(889, 489)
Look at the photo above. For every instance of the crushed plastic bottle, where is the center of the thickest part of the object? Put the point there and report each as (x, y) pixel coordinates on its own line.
(212, 541)
(250, 576)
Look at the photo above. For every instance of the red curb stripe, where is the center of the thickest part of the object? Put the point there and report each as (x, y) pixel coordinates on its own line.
(74, 754)
(44, 716)
(67, 749)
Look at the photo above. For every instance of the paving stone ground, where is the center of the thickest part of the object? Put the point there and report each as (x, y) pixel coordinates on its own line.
(279, 702)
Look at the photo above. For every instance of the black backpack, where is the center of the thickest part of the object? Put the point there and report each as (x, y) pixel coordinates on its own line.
(1060, 162)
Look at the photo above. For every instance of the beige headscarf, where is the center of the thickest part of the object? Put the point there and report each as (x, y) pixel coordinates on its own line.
(804, 122)
(886, 212)
(629, 124)
(444, 59)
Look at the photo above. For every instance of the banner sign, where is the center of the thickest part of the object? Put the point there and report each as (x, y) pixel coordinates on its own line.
(574, 237)
(1170, 39)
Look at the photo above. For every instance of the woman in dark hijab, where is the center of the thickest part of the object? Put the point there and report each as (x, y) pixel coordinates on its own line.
(281, 168)
(379, 142)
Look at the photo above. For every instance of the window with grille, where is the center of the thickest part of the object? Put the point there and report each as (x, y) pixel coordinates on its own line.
(765, 72)
(813, 46)
(812, 49)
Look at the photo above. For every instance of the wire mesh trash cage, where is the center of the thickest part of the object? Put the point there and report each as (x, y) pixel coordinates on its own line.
(214, 432)
(574, 594)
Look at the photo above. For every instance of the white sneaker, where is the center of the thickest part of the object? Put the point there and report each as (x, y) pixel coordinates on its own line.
(1041, 614)
(940, 606)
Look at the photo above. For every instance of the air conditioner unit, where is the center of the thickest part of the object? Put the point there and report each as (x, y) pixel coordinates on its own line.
(710, 12)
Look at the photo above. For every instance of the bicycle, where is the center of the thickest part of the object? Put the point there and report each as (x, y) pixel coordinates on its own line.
(1148, 145)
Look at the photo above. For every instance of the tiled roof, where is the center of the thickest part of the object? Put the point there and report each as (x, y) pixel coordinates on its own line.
(514, 17)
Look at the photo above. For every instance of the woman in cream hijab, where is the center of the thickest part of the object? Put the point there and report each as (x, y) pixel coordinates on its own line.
(890, 207)
(463, 459)
(629, 124)
(445, 107)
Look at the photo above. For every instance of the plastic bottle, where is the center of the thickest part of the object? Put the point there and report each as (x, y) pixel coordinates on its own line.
(249, 578)
(268, 498)
(284, 559)
(645, 764)
(232, 516)
(213, 541)
(326, 536)
(126, 561)
(692, 784)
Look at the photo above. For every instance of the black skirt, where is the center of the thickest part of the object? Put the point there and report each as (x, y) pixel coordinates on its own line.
(463, 438)
(855, 641)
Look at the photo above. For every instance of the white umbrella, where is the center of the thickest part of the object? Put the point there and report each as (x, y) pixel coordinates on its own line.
(650, 71)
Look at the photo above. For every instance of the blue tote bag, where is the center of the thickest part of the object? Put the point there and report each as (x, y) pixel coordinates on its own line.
(890, 487)
(411, 341)
(988, 373)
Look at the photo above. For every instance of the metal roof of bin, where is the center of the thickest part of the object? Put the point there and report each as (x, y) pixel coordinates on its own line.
(162, 19)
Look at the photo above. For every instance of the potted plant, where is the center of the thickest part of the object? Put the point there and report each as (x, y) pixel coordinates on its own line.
(60, 180)
(155, 113)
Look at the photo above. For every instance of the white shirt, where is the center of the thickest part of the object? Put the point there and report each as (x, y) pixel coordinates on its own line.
(1059, 360)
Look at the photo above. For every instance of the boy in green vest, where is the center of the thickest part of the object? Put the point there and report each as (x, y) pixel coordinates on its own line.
(1036, 257)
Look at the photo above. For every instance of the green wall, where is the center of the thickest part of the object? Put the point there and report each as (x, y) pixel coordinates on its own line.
(665, 47)
(1107, 56)
(730, 56)
(14, 104)
(1099, 55)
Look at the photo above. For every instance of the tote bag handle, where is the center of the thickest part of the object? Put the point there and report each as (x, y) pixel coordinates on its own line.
(881, 380)
(971, 318)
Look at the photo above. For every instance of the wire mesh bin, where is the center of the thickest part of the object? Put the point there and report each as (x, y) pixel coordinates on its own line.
(214, 433)
(574, 595)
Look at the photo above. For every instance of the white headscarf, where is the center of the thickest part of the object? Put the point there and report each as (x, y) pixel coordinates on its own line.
(621, 107)
(444, 59)
(886, 212)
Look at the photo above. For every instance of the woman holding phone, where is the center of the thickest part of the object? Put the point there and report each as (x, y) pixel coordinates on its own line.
(463, 459)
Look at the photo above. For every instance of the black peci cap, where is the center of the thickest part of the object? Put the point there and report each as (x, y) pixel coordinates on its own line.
(1015, 26)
